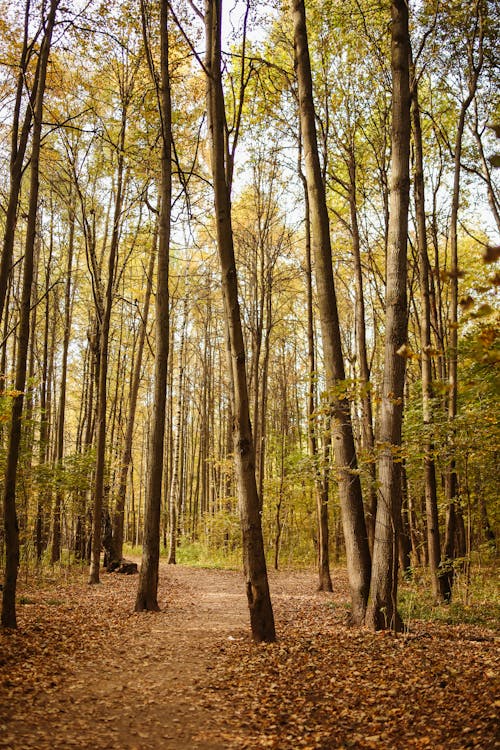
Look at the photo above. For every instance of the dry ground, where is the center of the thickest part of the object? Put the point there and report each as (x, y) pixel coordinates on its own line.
(84, 671)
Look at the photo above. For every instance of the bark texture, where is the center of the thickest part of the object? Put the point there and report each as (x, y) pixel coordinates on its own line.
(118, 516)
(351, 501)
(382, 606)
(254, 561)
(440, 588)
(9, 619)
(453, 545)
(147, 590)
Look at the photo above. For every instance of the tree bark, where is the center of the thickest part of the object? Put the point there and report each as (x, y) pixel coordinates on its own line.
(257, 587)
(382, 606)
(118, 516)
(451, 488)
(9, 619)
(321, 472)
(147, 591)
(440, 589)
(105, 324)
(175, 485)
(351, 501)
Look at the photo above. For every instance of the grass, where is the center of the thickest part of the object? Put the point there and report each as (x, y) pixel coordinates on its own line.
(196, 555)
(26, 600)
(199, 555)
(476, 603)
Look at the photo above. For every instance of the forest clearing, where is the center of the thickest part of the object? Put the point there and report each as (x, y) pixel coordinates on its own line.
(85, 671)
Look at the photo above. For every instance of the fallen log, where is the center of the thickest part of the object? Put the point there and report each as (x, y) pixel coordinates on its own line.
(126, 567)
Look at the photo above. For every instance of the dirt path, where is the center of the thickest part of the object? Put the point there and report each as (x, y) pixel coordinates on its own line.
(146, 688)
(154, 696)
(84, 671)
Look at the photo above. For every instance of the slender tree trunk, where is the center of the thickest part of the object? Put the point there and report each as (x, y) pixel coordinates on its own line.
(5, 337)
(382, 606)
(43, 494)
(403, 531)
(451, 489)
(175, 486)
(321, 473)
(353, 520)
(56, 533)
(367, 435)
(439, 588)
(263, 405)
(168, 451)
(147, 591)
(118, 517)
(9, 619)
(103, 364)
(19, 142)
(322, 500)
(279, 502)
(257, 587)
(28, 431)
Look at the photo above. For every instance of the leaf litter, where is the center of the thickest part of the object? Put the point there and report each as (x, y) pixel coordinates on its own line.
(84, 671)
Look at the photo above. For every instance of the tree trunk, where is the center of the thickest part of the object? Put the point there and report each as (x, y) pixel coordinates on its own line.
(404, 532)
(279, 501)
(103, 362)
(147, 591)
(351, 501)
(440, 590)
(322, 500)
(382, 606)
(264, 395)
(451, 489)
(259, 600)
(367, 436)
(19, 142)
(175, 487)
(321, 473)
(56, 534)
(9, 619)
(44, 494)
(118, 517)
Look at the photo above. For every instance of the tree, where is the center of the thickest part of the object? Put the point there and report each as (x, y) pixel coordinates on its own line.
(175, 488)
(105, 298)
(56, 531)
(254, 561)
(382, 605)
(321, 473)
(119, 513)
(439, 588)
(19, 143)
(9, 619)
(475, 58)
(353, 520)
(147, 590)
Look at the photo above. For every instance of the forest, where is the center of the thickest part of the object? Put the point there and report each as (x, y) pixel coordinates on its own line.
(249, 338)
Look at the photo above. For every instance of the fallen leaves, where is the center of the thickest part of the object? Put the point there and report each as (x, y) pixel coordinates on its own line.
(331, 686)
(85, 671)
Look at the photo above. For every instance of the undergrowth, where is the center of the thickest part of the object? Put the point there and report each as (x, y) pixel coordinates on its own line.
(474, 602)
(475, 597)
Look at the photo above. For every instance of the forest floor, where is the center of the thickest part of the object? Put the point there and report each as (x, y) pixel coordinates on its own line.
(84, 671)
